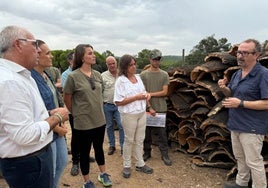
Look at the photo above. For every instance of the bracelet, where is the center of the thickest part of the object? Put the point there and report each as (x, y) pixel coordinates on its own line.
(148, 108)
(58, 116)
(241, 104)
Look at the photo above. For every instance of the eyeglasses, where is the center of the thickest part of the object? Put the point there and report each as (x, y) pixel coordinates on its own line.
(157, 59)
(244, 53)
(92, 83)
(33, 41)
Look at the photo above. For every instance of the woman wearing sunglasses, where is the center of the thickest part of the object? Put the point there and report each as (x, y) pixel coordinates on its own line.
(83, 98)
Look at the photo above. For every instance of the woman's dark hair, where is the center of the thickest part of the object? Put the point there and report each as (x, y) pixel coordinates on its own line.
(79, 52)
(40, 42)
(124, 63)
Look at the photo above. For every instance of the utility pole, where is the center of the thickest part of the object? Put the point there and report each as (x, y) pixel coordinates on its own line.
(183, 57)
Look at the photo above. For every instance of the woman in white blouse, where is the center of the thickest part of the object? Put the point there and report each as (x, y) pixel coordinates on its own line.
(130, 97)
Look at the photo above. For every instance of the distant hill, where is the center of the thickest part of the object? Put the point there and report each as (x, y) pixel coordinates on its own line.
(172, 58)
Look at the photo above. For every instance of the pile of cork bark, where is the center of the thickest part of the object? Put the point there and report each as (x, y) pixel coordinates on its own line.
(196, 119)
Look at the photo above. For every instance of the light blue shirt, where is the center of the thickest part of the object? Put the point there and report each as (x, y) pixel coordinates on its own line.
(64, 75)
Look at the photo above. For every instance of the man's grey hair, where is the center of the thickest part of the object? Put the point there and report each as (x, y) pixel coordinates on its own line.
(257, 44)
(8, 35)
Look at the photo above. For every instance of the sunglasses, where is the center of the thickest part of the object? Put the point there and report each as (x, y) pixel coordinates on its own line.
(33, 41)
(157, 59)
(92, 83)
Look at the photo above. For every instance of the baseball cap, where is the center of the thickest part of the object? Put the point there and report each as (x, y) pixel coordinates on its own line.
(155, 53)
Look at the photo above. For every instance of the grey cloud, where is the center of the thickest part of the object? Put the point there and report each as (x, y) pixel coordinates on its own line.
(128, 26)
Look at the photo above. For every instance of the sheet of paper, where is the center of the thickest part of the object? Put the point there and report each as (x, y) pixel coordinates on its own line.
(159, 120)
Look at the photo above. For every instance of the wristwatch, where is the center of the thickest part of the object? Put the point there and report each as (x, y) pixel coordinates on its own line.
(241, 104)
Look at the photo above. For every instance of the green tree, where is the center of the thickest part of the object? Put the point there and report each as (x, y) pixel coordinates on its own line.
(107, 53)
(143, 58)
(59, 59)
(100, 62)
(204, 47)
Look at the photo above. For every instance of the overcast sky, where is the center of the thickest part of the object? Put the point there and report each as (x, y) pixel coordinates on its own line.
(129, 26)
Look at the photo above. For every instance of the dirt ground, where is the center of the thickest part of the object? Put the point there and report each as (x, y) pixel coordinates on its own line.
(182, 174)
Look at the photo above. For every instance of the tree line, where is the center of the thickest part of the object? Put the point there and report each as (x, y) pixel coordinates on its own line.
(195, 57)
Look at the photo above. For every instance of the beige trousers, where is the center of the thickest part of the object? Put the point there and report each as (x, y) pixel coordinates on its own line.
(247, 151)
(134, 128)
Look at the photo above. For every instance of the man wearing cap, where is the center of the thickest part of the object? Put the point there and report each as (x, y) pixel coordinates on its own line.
(156, 82)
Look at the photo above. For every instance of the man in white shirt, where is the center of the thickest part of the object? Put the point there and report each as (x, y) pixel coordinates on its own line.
(25, 124)
(110, 109)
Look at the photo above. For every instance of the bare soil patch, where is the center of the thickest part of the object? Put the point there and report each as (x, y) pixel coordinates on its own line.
(182, 174)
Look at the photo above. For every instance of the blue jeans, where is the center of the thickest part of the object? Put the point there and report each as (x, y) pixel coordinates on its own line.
(111, 112)
(30, 172)
(60, 158)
